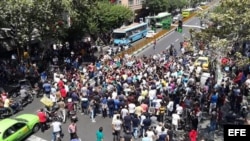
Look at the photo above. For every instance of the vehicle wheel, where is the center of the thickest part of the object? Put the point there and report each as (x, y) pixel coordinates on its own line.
(35, 128)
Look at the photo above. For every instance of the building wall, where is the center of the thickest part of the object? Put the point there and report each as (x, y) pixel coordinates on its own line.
(133, 4)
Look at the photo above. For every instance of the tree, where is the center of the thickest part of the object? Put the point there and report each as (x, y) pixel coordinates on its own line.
(230, 27)
(157, 6)
(27, 15)
(106, 17)
(177, 4)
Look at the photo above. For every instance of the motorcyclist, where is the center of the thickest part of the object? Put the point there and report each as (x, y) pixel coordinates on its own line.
(23, 93)
(70, 106)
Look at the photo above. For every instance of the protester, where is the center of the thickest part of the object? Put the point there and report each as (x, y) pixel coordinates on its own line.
(99, 135)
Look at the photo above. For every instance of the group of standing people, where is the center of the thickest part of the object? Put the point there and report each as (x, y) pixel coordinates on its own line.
(139, 94)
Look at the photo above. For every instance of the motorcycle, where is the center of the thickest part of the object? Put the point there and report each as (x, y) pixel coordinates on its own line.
(72, 116)
(24, 101)
(52, 114)
(36, 91)
(14, 108)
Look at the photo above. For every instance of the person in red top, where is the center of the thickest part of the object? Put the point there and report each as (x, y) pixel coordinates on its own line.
(60, 83)
(63, 92)
(42, 119)
(193, 135)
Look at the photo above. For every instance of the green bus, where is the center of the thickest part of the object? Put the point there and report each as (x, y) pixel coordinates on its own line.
(162, 19)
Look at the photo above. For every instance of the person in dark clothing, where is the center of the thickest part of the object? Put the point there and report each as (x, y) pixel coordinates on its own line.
(146, 122)
(127, 136)
(163, 135)
(111, 106)
(127, 122)
(135, 125)
(194, 120)
(170, 134)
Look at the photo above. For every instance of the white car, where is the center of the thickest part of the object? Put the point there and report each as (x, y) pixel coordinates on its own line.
(177, 18)
(150, 34)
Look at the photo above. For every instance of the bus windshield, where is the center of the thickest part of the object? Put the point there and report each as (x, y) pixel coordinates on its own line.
(119, 35)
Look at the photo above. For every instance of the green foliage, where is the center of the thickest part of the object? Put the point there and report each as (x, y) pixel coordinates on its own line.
(26, 15)
(157, 6)
(49, 17)
(106, 17)
(230, 24)
(177, 4)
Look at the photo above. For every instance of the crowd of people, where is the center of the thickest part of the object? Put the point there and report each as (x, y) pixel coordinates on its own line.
(152, 98)
(155, 98)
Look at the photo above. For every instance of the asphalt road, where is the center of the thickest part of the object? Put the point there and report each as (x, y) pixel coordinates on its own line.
(171, 38)
(86, 129)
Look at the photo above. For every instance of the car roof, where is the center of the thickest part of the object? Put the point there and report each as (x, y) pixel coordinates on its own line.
(5, 123)
(202, 58)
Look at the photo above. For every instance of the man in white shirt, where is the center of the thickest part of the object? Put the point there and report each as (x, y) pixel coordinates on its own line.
(170, 107)
(151, 134)
(179, 109)
(175, 120)
(117, 126)
(124, 112)
(131, 108)
(56, 129)
(159, 129)
(151, 94)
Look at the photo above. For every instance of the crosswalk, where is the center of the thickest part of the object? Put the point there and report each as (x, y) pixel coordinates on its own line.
(35, 138)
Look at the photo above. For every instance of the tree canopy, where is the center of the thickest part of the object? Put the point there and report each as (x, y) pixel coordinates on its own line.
(50, 18)
(230, 26)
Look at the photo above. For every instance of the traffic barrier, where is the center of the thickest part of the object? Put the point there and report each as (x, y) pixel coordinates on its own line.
(157, 36)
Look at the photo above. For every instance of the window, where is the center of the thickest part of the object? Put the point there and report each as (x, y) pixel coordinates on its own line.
(131, 2)
(141, 1)
(10, 131)
(19, 126)
(119, 35)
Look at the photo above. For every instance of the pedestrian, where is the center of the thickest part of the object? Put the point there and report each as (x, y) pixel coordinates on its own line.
(56, 130)
(72, 129)
(92, 110)
(117, 126)
(62, 109)
(127, 136)
(75, 138)
(154, 46)
(99, 134)
(42, 119)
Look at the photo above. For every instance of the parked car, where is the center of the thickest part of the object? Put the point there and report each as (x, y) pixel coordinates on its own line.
(18, 128)
(150, 34)
(204, 61)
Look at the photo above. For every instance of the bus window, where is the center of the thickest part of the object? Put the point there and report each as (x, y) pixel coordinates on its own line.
(119, 35)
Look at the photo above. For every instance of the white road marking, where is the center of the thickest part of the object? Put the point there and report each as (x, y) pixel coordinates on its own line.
(168, 47)
(176, 40)
(183, 34)
(35, 138)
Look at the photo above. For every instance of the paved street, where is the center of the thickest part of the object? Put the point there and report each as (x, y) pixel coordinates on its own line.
(172, 38)
(86, 129)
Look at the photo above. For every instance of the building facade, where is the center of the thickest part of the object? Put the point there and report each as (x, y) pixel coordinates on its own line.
(133, 4)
